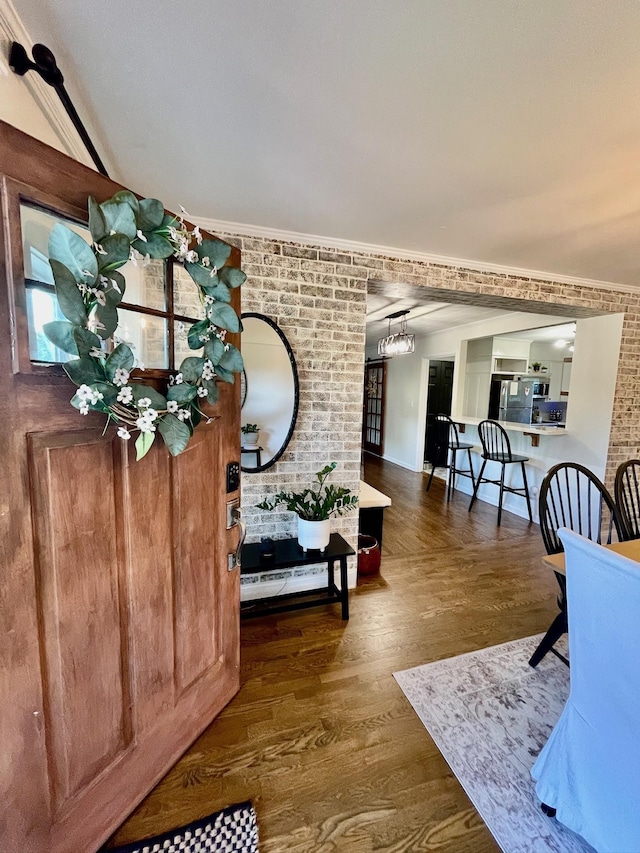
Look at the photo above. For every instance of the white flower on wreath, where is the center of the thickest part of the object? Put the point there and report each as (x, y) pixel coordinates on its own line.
(123, 432)
(183, 414)
(144, 402)
(172, 406)
(125, 395)
(207, 370)
(121, 376)
(202, 392)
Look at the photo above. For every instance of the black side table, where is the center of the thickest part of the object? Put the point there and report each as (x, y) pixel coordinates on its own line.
(287, 555)
(256, 450)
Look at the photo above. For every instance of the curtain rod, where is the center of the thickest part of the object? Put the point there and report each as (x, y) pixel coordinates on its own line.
(44, 62)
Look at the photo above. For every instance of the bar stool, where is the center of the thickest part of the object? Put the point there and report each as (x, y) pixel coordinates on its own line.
(448, 441)
(497, 448)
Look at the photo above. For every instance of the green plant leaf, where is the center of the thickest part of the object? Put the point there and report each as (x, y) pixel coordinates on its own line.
(218, 290)
(176, 434)
(85, 341)
(116, 247)
(225, 375)
(140, 391)
(204, 277)
(127, 197)
(193, 336)
(232, 276)
(156, 246)
(60, 333)
(84, 371)
(214, 350)
(224, 316)
(116, 277)
(196, 415)
(143, 444)
(232, 360)
(213, 392)
(70, 249)
(216, 250)
(121, 358)
(150, 214)
(97, 222)
(107, 316)
(191, 368)
(119, 216)
(69, 297)
(182, 393)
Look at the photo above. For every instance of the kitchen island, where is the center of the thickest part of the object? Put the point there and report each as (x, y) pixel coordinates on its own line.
(533, 431)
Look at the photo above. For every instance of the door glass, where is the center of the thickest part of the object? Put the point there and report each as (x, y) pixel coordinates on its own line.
(147, 337)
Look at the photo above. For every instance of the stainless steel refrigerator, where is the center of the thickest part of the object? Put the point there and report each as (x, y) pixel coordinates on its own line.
(516, 400)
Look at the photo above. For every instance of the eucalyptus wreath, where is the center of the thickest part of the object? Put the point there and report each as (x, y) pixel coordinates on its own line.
(89, 289)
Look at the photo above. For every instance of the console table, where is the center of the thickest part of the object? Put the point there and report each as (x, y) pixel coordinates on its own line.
(287, 555)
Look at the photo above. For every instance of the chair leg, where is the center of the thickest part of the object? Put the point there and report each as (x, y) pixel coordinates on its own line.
(526, 490)
(473, 479)
(433, 468)
(500, 497)
(452, 475)
(557, 628)
(477, 484)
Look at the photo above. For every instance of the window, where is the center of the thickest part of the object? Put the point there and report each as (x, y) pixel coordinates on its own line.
(160, 303)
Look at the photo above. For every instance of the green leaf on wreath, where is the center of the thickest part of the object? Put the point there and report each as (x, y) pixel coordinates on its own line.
(176, 434)
(182, 393)
(224, 316)
(120, 359)
(76, 254)
(107, 316)
(232, 360)
(193, 336)
(143, 444)
(85, 341)
(60, 333)
(127, 197)
(191, 368)
(84, 371)
(216, 250)
(196, 415)
(117, 283)
(69, 297)
(156, 246)
(218, 290)
(214, 350)
(204, 277)
(232, 276)
(225, 375)
(158, 402)
(213, 392)
(119, 217)
(97, 222)
(150, 214)
(116, 248)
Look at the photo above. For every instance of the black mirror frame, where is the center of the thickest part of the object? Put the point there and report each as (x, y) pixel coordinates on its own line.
(296, 390)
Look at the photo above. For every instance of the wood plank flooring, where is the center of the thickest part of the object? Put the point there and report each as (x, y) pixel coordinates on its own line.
(320, 737)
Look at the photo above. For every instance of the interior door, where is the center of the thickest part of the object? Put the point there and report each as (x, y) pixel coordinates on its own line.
(440, 392)
(118, 615)
(375, 373)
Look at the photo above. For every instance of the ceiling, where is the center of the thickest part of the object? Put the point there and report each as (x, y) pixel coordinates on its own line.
(502, 132)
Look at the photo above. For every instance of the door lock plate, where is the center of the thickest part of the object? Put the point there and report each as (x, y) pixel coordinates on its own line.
(232, 515)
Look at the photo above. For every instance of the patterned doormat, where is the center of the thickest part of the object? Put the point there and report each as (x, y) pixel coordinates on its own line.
(490, 714)
(232, 830)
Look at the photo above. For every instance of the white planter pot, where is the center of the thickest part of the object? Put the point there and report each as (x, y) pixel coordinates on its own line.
(314, 535)
(250, 438)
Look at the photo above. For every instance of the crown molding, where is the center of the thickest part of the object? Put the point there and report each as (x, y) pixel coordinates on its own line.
(244, 230)
(12, 29)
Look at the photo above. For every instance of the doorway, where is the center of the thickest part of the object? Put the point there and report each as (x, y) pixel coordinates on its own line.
(375, 373)
(439, 394)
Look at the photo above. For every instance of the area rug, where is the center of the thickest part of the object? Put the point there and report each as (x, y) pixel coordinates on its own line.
(232, 830)
(490, 714)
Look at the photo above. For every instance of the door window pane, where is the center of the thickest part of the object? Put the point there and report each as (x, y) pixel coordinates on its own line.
(147, 337)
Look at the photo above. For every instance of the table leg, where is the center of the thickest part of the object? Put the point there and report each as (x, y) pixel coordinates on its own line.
(344, 588)
(331, 588)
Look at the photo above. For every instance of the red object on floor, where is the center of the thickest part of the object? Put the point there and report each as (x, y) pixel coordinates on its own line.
(368, 555)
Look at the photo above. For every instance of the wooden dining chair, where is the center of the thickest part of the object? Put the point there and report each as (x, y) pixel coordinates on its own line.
(572, 497)
(627, 497)
(496, 447)
(447, 444)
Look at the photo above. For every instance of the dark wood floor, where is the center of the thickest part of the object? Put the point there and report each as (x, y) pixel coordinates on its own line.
(320, 736)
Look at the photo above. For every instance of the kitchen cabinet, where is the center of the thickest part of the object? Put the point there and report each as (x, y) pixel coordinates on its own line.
(566, 377)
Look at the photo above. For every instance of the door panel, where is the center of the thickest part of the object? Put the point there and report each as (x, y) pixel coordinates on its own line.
(120, 620)
(375, 374)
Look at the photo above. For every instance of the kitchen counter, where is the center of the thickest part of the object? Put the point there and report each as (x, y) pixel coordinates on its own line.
(534, 431)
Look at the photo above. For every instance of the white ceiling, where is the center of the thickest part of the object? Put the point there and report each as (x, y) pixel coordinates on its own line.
(498, 131)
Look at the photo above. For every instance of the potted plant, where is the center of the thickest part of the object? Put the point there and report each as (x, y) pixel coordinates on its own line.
(250, 433)
(537, 367)
(314, 508)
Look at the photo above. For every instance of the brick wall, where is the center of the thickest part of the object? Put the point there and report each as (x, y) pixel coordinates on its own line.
(318, 297)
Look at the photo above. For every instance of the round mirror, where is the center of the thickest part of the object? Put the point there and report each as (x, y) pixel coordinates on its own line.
(271, 393)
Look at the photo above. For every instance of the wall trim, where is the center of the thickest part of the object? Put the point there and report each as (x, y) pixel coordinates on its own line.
(245, 230)
(12, 29)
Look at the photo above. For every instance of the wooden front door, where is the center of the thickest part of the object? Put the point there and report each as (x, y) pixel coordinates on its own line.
(440, 392)
(375, 374)
(119, 619)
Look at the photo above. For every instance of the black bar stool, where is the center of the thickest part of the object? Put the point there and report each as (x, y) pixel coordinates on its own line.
(497, 448)
(447, 444)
